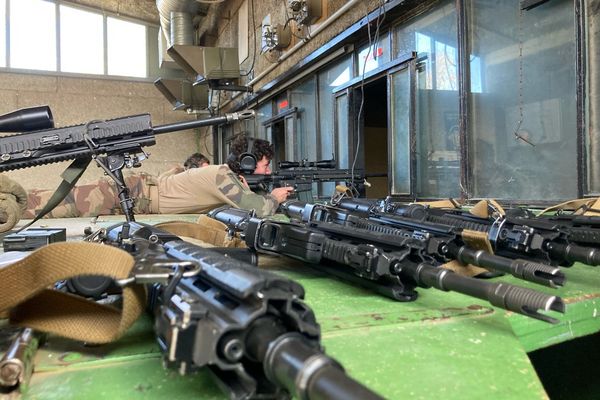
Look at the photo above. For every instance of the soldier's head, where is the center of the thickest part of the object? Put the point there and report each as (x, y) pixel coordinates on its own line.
(196, 160)
(250, 155)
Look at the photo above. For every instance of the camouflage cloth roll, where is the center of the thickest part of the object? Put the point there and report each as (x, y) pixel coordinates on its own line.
(13, 201)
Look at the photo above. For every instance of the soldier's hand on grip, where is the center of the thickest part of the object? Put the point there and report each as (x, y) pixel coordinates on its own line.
(281, 193)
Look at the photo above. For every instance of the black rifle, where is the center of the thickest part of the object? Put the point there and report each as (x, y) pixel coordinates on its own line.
(248, 326)
(302, 179)
(440, 242)
(392, 266)
(113, 144)
(555, 240)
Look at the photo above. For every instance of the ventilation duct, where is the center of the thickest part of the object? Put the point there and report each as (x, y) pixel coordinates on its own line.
(177, 20)
(183, 95)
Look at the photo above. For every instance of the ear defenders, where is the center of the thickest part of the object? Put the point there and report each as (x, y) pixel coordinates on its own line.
(248, 159)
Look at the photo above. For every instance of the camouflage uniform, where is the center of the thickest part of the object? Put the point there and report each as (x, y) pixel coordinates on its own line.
(199, 190)
(194, 191)
(93, 199)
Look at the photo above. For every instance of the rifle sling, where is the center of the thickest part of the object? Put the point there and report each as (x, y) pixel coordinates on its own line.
(575, 205)
(477, 241)
(31, 304)
(70, 177)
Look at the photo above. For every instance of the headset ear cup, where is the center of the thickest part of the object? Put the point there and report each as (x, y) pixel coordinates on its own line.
(247, 163)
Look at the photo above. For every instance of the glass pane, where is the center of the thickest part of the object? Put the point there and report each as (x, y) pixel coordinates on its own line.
(303, 96)
(434, 37)
(593, 89)
(341, 111)
(333, 76)
(263, 113)
(524, 130)
(81, 41)
(378, 55)
(291, 140)
(33, 35)
(2, 33)
(400, 106)
(126, 48)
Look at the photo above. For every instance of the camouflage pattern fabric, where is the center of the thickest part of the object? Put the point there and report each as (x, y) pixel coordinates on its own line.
(13, 201)
(194, 191)
(199, 190)
(93, 199)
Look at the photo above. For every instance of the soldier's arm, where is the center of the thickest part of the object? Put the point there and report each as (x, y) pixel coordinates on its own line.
(241, 196)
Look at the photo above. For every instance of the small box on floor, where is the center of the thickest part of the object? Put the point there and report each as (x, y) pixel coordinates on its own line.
(33, 238)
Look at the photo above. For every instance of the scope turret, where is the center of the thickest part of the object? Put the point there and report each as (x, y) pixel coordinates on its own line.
(330, 164)
(27, 120)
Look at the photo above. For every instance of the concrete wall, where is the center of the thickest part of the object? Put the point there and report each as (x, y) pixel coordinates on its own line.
(221, 28)
(75, 101)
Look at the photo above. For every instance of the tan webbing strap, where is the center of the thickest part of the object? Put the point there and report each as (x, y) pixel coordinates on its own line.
(572, 205)
(477, 241)
(206, 229)
(25, 292)
(482, 209)
(448, 203)
(594, 208)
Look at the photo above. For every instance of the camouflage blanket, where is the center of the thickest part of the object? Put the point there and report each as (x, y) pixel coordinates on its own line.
(100, 197)
(13, 201)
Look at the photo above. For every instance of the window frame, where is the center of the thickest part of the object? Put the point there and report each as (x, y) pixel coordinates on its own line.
(151, 43)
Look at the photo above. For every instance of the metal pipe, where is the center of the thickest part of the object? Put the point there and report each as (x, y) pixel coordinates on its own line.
(299, 45)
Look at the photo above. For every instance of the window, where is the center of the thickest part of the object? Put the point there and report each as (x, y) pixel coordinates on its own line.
(79, 27)
(126, 48)
(86, 42)
(593, 90)
(524, 127)
(434, 37)
(379, 54)
(33, 35)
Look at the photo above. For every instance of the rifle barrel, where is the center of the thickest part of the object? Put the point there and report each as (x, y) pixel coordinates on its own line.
(180, 126)
(302, 369)
(509, 297)
(527, 270)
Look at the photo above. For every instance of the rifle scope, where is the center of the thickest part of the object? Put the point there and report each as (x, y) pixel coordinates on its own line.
(329, 164)
(27, 120)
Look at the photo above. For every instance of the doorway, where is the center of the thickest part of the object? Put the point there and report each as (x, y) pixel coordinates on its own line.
(375, 136)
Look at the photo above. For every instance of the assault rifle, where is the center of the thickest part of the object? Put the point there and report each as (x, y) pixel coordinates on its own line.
(392, 266)
(249, 327)
(441, 243)
(555, 240)
(113, 144)
(302, 179)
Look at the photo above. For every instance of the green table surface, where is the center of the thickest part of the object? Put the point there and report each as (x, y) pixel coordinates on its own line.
(443, 345)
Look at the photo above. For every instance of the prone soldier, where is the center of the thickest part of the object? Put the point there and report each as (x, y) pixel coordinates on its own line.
(196, 188)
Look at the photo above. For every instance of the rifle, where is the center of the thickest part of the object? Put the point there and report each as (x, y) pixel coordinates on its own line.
(391, 266)
(555, 240)
(249, 327)
(112, 144)
(440, 243)
(302, 179)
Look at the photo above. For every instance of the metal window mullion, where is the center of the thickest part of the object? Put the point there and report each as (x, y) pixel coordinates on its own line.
(412, 127)
(464, 86)
(581, 78)
(7, 20)
(105, 42)
(57, 34)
